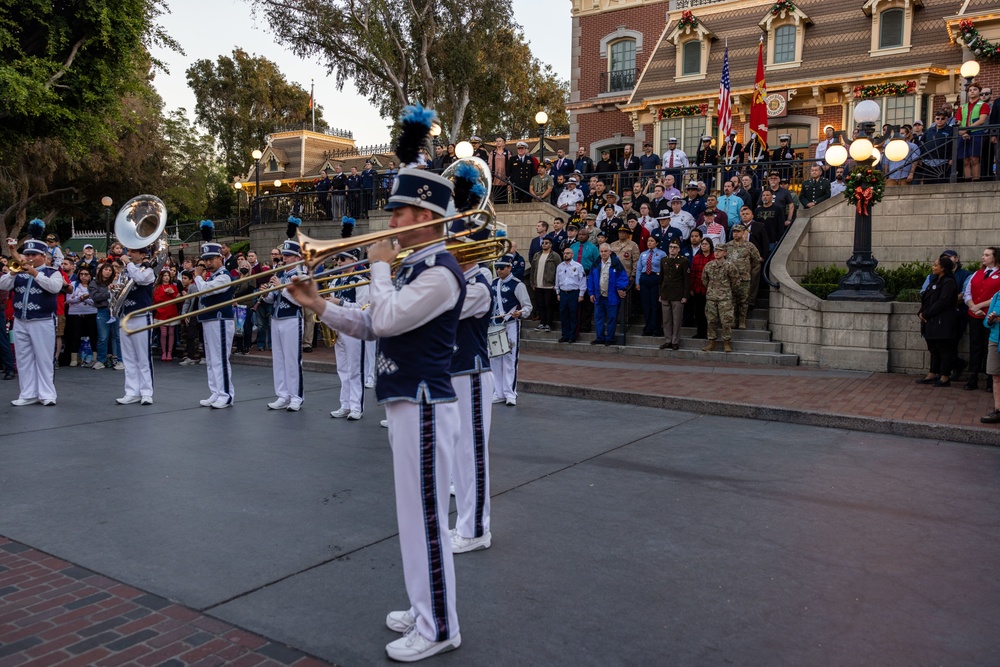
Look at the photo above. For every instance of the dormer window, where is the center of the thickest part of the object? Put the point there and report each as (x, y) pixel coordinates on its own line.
(272, 164)
(892, 25)
(785, 25)
(693, 42)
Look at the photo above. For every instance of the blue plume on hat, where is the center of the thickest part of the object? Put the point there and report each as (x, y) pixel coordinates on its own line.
(466, 179)
(347, 220)
(346, 227)
(36, 228)
(207, 230)
(293, 226)
(415, 128)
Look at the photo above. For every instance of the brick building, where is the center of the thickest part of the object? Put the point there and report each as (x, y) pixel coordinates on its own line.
(642, 73)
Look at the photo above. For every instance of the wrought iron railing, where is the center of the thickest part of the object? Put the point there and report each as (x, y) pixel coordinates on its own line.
(619, 81)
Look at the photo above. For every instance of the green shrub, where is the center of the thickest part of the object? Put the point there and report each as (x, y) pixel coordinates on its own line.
(906, 276)
(909, 295)
(824, 274)
(240, 247)
(822, 290)
(902, 280)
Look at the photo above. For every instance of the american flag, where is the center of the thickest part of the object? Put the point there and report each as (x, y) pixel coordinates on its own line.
(725, 108)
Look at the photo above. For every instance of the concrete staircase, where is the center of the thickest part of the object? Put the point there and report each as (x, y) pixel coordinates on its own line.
(752, 345)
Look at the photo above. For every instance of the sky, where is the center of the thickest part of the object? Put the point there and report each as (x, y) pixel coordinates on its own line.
(210, 28)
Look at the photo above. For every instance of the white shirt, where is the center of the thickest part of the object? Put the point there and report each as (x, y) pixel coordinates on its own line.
(570, 277)
(568, 198)
(477, 295)
(53, 283)
(649, 223)
(680, 160)
(78, 304)
(141, 276)
(521, 292)
(683, 221)
(393, 312)
(821, 152)
(837, 188)
(218, 283)
(605, 276)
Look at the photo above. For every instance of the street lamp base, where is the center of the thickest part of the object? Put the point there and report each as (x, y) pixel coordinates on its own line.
(858, 295)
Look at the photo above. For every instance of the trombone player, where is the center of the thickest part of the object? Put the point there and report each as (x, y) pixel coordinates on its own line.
(136, 351)
(415, 319)
(218, 327)
(286, 336)
(34, 321)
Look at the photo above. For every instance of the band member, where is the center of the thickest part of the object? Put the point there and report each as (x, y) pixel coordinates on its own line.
(415, 318)
(349, 350)
(137, 350)
(286, 336)
(511, 305)
(34, 321)
(218, 327)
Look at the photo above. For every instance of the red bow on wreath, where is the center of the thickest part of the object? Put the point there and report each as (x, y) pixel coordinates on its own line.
(864, 197)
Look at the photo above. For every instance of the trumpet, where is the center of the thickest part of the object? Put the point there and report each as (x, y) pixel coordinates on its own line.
(15, 266)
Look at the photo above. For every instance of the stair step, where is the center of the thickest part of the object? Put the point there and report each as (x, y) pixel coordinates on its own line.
(744, 340)
(734, 357)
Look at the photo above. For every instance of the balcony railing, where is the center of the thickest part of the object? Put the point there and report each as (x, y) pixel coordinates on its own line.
(620, 81)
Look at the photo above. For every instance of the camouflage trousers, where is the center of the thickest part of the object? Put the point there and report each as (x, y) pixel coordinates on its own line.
(717, 311)
(741, 300)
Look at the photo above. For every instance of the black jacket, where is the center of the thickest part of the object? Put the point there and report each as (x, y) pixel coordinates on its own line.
(937, 305)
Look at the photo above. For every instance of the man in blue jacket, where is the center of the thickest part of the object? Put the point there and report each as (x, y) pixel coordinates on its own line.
(606, 287)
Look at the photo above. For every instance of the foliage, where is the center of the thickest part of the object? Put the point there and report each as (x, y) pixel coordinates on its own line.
(782, 5)
(465, 58)
(865, 178)
(674, 112)
(687, 20)
(241, 99)
(909, 295)
(885, 90)
(899, 282)
(240, 247)
(983, 49)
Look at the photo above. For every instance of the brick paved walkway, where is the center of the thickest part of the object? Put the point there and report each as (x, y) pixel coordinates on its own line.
(55, 613)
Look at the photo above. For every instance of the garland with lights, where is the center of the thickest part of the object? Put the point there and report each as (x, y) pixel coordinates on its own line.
(885, 90)
(675, 112)
(687, 20)
(865, 187)
(782, 5)
(971, 38)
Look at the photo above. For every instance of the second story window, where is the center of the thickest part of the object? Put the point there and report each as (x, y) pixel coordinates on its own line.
(621, 64)
(693, 43)
(691, 57)
(784, 44)
(892, 25)
(786, 32)
(891, 29)
(272, 164)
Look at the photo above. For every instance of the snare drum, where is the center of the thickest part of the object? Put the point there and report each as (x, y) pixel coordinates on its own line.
(498, 340)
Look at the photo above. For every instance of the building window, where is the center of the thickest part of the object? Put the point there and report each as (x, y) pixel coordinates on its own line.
(621, 66)
(272, 164)
(891, 29)
(784, 44)
(895, 110)
(691, 58)
(688, 130)
(799, 133)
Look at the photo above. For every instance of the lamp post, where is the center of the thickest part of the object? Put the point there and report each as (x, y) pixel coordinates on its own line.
(107, 202)
(541, 118)
(861, 282)
(257, 155)
(969, 71)
(239, 213)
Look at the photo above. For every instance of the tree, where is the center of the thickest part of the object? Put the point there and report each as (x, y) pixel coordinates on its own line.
(242, 99)
(462, 57)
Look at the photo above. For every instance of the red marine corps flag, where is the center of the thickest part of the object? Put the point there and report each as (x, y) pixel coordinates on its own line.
(758, 107)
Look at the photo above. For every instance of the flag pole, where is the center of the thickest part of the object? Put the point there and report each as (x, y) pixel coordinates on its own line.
(312, 102)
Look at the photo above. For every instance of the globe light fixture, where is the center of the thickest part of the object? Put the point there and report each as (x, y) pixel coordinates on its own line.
(277, 183)
(868, 111)
(435, 129)
(238, 185)
(463, 149)
(970, 69)
(876, 156)
(106, 201)
(256, 154)
(541, 118)
(897, 149)
(836, 155)
(861, 149)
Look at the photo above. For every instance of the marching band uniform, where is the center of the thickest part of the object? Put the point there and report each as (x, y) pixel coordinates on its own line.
(34, 300)
(730, 155)
(137, 351)
(350, 353)
(218, 329)
(415, 318)
(510, 294)
(473, 381)
(286, 339)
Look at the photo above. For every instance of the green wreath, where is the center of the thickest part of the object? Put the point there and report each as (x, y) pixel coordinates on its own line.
(782, 5)
(865, 187)
(983, 49)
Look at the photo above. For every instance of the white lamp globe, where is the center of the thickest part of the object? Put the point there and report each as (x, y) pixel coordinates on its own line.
(867, 112)
(836, 155)
(463, 149)
(106, 201)
(541, 118)
(277, 183)
(256, 154)
(897, 150)
(970, 69)
(876, 156)
(435, 129)
(861, 149)
(238, 185)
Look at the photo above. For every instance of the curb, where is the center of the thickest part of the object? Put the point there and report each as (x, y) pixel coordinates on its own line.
(959, 434)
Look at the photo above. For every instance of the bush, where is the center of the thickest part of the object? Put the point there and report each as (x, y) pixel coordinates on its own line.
(822, 290)
(906, 276)
(240, 247)
(909, 295)
(899, 282)
(824, 274)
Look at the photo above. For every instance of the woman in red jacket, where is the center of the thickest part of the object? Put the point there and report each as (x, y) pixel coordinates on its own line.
(164, 291)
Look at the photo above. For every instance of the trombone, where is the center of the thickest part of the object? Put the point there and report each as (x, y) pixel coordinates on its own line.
(314, 252)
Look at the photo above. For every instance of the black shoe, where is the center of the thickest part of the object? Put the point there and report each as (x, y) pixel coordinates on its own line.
(596, 342)
(927, 381)
(973, 383)
(991, 418)
(665, 346)
(608, 342)
(676, 346)
(571, 340)
(307, 350)
(9, 375)
(564, 340)
(946, 383)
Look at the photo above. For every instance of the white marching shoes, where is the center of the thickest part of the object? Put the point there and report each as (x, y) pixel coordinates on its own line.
(279, 404)
(412, 646)
(461, 545)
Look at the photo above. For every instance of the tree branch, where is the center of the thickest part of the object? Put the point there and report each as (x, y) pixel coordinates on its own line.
(69, 62)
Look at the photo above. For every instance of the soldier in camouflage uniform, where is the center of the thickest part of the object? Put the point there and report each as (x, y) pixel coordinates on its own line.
(721, 279)
(745, 256)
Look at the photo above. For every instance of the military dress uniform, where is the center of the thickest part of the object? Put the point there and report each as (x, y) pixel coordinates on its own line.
(472, 377)
(137, 351)
(509, 295)
(707, 156)
(286, 339)
(730, 155)
(350, 353)
(627, 252)
(218, 330)
(781, 158)
(721, 279)
(34, 301)
(746, 258)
